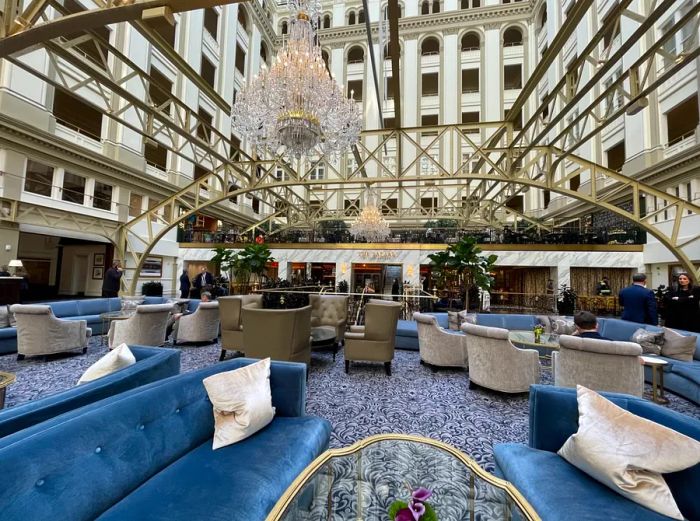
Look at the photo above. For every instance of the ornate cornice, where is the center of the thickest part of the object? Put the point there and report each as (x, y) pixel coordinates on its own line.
(263, 23)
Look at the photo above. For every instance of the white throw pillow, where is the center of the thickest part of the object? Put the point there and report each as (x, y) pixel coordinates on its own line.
(118, 358)
(628, 453)
(242, 401)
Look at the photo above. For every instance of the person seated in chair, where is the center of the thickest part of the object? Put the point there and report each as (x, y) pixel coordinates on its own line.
(173, 320)
(587, 325)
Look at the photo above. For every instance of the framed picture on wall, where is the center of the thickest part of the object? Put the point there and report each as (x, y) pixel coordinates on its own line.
(152, 267)
(98, 259)
(98, 272)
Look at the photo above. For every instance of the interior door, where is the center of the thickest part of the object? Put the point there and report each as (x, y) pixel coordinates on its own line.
(79, 275)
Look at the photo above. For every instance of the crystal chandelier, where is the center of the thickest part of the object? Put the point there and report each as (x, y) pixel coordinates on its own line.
(370, 225)
(295, 106)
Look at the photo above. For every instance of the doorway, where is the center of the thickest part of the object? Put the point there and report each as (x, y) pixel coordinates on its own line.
(79, 275)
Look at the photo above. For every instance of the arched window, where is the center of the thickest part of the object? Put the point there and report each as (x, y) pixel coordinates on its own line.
(512, 36)
(543, 17)
(242, 18)
(351, 18)
(471, 42)
(425, 7)
(430, 46)
(387, 51)
(326, 58)
(356, 54)
(361, 17)
(263, 52)
(436, 6)
(327, 21)
(284, 28)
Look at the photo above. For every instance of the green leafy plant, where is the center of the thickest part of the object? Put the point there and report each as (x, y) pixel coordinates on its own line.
(246, 264)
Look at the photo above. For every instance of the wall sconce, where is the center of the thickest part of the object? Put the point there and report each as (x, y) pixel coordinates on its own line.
(343, 268)
(409, 270)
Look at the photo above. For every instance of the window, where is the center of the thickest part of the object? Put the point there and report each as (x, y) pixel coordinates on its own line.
(38, 178)
(389, 87)
(159, 89)
(318, 172)
(200, 172)
(518, 123)
(351, 18)
(470, 117)
(135, 204)
(234, 150)
(242, 18)
(389, 122)
(356, 55)
(284, 28)
(616, 156)
(205, 123)
(512, 77)
(361, 17)
(156, 155)
(390, 206)
(73, 112)
(327, 21)
(425, 7)
(430, 84)
(612, 31)
(470, 80)
(430, 46)
(466, 4)
(263, 53)
(325, 57)
(436, 6)
(208, 71)
(281, 174)
(102, 196)
(428, 204)
(512, 37)
(94, 52)
(256, 205)
(211, 22)
(517, 203)
(429, 120)
(471, 42)
(164, 28)
(240, 59)
(73, 188)
(682, 120)
(355, 90)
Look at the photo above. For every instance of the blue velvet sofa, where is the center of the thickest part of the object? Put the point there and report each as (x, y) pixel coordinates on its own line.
(87, 309)
(559, 491)
(152, 364)
(147, 454)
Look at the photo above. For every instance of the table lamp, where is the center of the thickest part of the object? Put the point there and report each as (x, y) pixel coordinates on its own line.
(15, 263)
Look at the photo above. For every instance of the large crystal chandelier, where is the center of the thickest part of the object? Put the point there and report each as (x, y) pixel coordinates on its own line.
(370, 225)
(295, 106)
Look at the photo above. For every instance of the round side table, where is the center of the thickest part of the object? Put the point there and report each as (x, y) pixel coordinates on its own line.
(657, 377)
(6, 379)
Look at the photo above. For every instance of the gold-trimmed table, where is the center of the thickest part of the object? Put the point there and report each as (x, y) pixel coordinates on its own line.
(6, 379)
(657, 377)
(110, 316)
(548, 342)
(361, 481)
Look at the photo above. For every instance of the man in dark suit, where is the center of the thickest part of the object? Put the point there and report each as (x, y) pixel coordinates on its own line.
(112, 280)
(203, 281)
(587, 325)
(185, 284)
(639, 302)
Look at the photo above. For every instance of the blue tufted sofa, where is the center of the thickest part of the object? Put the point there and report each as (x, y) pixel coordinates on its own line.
(146, 454)
(559, 491)
(87, 309)
(152, 364)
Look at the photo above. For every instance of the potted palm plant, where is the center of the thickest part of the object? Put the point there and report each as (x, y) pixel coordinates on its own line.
(247, 265)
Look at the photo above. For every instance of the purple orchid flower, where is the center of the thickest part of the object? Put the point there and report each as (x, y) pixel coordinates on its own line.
(417, 509)
(421, 494)
(404, 514)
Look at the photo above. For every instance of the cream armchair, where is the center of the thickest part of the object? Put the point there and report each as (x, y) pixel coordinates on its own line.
(374, 341)
(200, 326)
(437, 347)
(330, 310)
(231, 320)
(495, 363)
(601, 365)
(281, 334)
(40, 333)
(146, 327)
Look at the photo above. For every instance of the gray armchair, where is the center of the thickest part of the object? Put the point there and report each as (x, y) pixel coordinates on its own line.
(231, 320)
(146, 327)
(200, 326)
(438, 347)
(600, 365)
(330, 310)
(39, 332)
(281, 334)
(374, 341)
(495, 363)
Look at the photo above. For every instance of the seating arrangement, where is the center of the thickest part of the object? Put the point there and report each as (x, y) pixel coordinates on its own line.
(439, 347)
(152, 364)
(145, 327)
(559, 491)
(281, 334)
(39, 332)
(600, 365)
(374, 342)
(231, 320)
(330, 310)
(495, 363)
(200, 326)
(150, 450)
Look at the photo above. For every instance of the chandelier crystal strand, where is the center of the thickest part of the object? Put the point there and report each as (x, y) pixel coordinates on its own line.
(295, 106)
(370, 225)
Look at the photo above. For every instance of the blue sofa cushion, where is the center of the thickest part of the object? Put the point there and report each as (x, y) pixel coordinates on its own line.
(65, 308)
(559, 491)
(254, 472)
(115, 304)
(616, 329)
(153, 300)
(442, 319)
(8, 332)
(689, 370)
(406, 328)
(93, 306)
(91, 319)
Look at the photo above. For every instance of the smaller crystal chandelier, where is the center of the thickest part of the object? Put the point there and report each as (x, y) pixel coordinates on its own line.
(370, 225)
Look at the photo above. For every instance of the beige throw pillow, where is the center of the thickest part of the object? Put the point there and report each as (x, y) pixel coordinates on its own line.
(678, 346)
(242, 401)
(453, 320)
(4, 317)
(628, 453)
(118, 358)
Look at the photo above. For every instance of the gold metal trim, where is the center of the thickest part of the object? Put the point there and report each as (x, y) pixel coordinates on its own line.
(315, 465)
(7, 379)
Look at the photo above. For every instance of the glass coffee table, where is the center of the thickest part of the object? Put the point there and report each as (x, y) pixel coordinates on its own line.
(108, 317)
(548, 342)
(360, 482)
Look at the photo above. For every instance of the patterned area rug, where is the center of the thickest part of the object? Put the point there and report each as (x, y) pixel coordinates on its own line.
(413, 400)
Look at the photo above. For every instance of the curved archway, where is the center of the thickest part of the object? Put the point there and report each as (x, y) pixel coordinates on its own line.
(471, 41)
(430, 46)
(356, 54)
(512, 37)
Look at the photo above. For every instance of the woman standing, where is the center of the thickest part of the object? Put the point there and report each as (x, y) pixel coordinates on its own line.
(682, 305)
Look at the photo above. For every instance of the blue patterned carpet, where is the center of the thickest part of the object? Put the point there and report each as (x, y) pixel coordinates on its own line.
(413, 400)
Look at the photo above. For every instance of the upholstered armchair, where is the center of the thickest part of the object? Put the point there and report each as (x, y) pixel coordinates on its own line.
(437, 347)
(200, 326)
(330, 310)
(231, 321)
(281, 334)
(146, 327)
(374, 342)
(40, 333)
(495, 363)
(601, 365)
